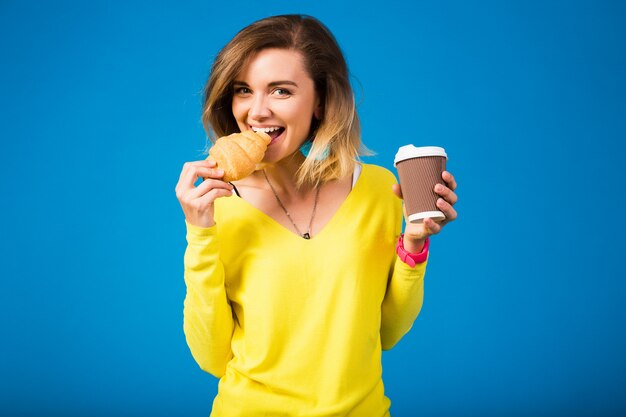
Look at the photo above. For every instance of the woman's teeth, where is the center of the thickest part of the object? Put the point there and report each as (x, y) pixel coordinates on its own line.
(274, 132)
(265, 129)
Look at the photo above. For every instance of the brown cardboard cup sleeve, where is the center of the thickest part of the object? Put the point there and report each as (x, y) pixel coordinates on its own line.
(419, 170)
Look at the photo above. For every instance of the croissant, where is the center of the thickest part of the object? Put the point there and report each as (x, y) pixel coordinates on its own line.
(239, 153)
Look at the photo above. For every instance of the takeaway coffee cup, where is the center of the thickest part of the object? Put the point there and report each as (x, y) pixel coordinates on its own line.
(420, 169)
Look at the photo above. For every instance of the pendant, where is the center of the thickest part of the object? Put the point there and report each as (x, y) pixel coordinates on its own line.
(306, 235)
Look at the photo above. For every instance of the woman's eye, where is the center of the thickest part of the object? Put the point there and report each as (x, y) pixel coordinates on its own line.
(242, 90)
(282, 92)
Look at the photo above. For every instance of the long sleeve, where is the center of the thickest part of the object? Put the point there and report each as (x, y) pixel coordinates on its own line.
(402, 302)
(208, 318)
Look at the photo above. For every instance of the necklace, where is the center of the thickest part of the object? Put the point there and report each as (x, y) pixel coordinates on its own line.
(307, 234)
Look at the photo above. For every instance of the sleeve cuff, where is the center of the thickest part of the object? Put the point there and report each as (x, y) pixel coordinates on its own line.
(195, 233)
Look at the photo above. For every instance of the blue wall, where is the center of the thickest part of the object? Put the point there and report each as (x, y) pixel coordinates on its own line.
(524, 311)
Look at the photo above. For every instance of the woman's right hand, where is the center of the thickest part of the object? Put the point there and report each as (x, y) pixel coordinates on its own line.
(197, 202)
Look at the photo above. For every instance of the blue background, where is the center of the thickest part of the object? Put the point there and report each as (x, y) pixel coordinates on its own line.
(524, 308)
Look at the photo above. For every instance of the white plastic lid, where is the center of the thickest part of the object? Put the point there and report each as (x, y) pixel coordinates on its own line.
(410, 151)
(419, 217)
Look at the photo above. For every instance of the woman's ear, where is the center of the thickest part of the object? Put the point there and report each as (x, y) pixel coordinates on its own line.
(318, 112)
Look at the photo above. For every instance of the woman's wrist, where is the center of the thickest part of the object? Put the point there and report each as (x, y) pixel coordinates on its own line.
(413, 246)
(412, 258)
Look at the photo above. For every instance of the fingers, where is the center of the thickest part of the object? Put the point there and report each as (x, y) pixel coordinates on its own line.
(449, 198)
(447, 209)
(447, 192)
(432, 226)
(449, 179)
(422, 230)
(193, 170)
(208, 185)
(449, 195)
(213, 195)
(196, 207)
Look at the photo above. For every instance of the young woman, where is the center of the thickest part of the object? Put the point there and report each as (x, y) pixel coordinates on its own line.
(294, 282)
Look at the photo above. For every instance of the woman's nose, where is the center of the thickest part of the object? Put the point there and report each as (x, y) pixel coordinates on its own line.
(259, 108)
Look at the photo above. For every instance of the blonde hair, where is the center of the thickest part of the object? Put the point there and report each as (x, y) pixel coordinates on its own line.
(336, 136)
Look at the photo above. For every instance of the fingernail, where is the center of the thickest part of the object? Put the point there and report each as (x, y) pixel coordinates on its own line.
(439, 187)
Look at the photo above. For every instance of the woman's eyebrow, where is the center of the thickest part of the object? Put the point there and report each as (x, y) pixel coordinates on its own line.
(272, 84)
(283, 82)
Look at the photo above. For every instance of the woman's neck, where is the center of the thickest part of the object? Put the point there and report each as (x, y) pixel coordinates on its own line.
(283, 176)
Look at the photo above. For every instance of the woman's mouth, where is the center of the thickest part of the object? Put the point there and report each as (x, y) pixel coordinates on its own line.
(274, 132)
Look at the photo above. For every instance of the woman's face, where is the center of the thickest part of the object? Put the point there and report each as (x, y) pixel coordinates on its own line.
(274, 93)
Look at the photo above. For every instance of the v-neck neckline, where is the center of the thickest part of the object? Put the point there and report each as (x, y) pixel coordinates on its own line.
(329, 224)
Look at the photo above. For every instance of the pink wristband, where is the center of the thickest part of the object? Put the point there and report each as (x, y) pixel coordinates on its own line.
(412, 259)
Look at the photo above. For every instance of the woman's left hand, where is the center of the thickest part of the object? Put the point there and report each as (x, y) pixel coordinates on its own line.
(416, 233)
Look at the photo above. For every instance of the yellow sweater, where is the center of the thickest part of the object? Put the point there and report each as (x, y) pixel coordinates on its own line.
(295, 327)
